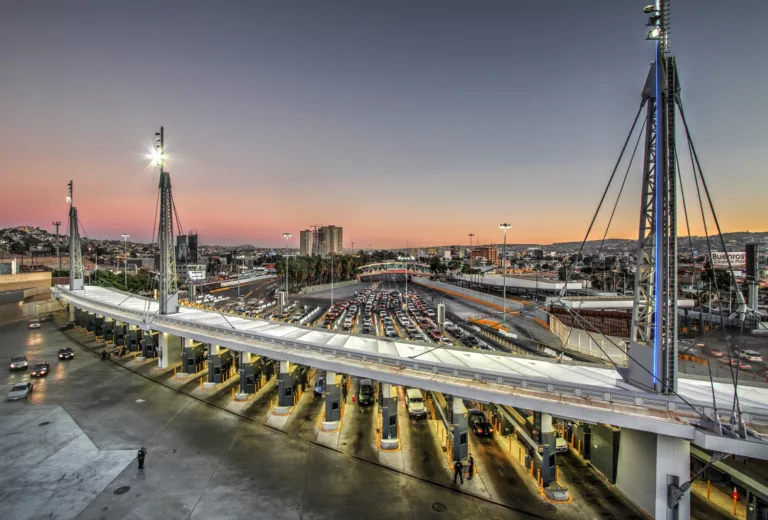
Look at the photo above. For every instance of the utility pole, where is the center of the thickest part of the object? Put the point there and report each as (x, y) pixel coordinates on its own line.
(505, 227)
(470, 259)
(58, 252)
(125, 258)
(286, 236)
(407, 253)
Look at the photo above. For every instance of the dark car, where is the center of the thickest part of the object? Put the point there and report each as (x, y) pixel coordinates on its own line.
(479, 424)
(66, 353)
(40, 370)
(365, 392)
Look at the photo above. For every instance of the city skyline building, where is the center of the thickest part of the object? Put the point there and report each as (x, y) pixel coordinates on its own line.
(306, 242)
(193, 248)
(330, 240)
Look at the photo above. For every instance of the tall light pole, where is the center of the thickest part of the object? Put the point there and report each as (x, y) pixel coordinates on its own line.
(407, 254)
(331, 278)
(505, 227)
(125, 258)
(287, 236)
(470, 258)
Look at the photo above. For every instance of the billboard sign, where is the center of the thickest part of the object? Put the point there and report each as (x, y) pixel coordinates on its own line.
(720, 260)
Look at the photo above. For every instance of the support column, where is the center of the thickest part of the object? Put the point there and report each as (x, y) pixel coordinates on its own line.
(389, 430)
(168, 349)
(71, 308)
(285, 388)
(460, 445)
(548, 446)
(648, 463)
(333, 382)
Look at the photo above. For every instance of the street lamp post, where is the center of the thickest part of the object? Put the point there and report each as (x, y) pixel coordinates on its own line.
(407, 254)
(125, 258)
(505, 227)
(331, 278)
(287, 236)
(470, 258)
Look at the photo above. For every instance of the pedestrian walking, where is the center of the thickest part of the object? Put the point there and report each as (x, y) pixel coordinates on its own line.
(458, 467)
(470, 467)
(104, 355)
(141, 455)
(344, 391)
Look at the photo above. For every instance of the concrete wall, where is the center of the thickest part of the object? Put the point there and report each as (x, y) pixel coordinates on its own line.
(12, 282)
(579, 340)
(645, 461)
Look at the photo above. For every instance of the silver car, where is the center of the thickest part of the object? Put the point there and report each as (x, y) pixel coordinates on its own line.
(19, 362)
(20, 391)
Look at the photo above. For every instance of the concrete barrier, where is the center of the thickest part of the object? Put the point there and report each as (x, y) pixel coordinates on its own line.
(327, 286)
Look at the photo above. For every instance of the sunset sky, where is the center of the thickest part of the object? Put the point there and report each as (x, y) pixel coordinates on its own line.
(418, 121)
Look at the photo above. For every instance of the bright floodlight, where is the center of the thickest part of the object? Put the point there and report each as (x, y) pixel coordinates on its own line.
(157, 157)
(648, 9)
(69, 199)
(505, 226)
(653, 34)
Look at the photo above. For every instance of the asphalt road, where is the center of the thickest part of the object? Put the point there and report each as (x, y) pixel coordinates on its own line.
(202, 462)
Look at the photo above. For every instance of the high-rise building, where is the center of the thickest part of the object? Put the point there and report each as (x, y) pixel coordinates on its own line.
(192, 248)
(181, 249)
(306, 242)
(330, 240)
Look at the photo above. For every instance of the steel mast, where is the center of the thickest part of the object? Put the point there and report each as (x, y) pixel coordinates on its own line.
(653, 347)
(168, 286)
(76, 271)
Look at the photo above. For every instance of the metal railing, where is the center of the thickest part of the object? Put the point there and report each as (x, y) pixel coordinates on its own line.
(543, 387)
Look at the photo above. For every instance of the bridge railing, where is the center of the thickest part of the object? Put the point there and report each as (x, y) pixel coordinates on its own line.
(265, 345)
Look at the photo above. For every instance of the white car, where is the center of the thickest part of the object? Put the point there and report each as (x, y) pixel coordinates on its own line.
(751, 355)
(19, 362)
(561, 445)
(34, 324)
(20, 391)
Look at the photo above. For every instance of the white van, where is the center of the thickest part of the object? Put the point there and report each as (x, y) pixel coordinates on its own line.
(414, 402)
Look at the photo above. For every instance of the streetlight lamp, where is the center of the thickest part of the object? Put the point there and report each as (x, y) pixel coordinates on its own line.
(407, 254)
(125, 258)
(287, 236)
(470, 258)
(505, 227)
